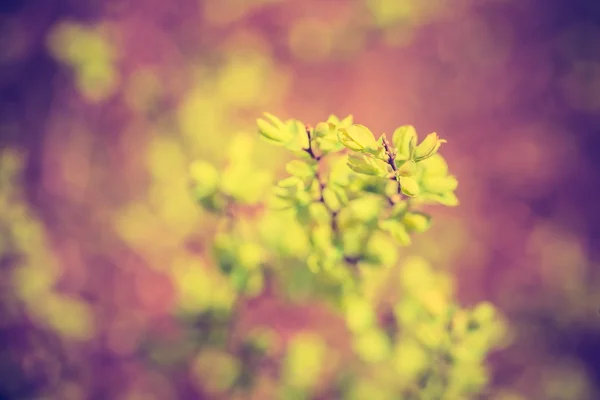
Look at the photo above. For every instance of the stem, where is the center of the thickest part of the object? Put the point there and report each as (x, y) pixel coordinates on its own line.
(311, 152)
(391, 159)
(351, 261)
(310, 149)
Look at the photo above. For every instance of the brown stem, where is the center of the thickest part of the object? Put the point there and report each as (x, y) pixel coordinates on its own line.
(391, 158)
(311, 152)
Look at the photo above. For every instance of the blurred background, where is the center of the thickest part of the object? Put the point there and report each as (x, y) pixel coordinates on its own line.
(104, 104)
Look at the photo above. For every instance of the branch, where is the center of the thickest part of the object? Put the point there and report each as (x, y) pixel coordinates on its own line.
(391, 159)
(311, 152)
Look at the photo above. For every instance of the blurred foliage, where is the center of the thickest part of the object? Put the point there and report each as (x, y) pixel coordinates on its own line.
(350, 211)
(116, 116)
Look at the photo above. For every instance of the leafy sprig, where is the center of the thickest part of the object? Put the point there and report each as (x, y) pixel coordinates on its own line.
(336, 220)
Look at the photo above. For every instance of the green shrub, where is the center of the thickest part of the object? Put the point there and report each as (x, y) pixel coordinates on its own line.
(328, 233)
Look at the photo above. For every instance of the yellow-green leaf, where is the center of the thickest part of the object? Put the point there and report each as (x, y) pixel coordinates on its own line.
(357, 138)
(298, 139)
(276, 134)
(417, 222)
(397, 231)
(408, 168)
(404, 140)
(428, 147)
(439, 184)
(331, 199)
(409, 186)
(206, 178)
(300, 169)
(448, 199)
(365, 164)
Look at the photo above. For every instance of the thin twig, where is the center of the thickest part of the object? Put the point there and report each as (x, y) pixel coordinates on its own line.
(311, 152)
(391, 158)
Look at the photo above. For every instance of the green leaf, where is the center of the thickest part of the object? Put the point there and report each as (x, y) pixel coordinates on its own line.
(340, 193)
(300, 169)
(357, 138)
(353, 240)
(297, 133)
(276, 202)
(409, 186)
(366, 208)
(346, 122)
(416, 222)
(289, 188)
(484, 313)
(239, 278)
(367, 165)
(323, 129)
(448, 199)
(397, 230)
(322, 237)
(404, 140)
(304, 361)
(250, 255)
(328, 144)
(214, 203)
(360, 315)
(333, 119)
(319, 213)
(303, 214)
(439, 184)
(340, 172)
(372, 346)
(224, 252)
(434, 166)
(407, 168)
(381, 250)
(206, 178)
(331, 199)
(274, 131)
(290, 182)
(399, 209)
(428, 147)
(274, 120)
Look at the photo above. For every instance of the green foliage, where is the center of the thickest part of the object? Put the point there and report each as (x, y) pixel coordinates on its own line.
(330, 231)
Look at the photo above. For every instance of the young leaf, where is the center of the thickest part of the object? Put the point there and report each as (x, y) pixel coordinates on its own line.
(439, 184)
(319, 213)
(397, 230)
(428, 147)
(297, 133)
(381, 250)
(357, 138)
(275, 133)
(290, 182)
(434, 166)
(346, 122)
(274, 120)
(416, 222)
(409, 186)
(365, 208)
(300, 169)
(323, 129)
(340, 193)
(399, 209)
(331, 199)
(333, 119)
(448, 199)
(404, 140)
(367, 165)
(206, 178)
(407, 168)
(340, 172)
